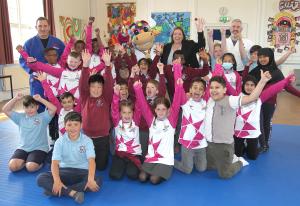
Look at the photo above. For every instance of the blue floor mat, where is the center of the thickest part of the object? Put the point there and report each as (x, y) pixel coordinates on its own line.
(271, 180)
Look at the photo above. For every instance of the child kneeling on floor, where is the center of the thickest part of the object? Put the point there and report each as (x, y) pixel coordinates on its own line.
(219, 125)
(73, 163)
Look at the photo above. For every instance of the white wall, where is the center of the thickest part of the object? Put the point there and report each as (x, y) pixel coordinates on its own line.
(254, 14)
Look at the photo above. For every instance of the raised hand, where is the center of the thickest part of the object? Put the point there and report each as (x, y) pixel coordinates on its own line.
(218, 60)
(179, 81)
(106, 56)
(138, 84)
(265, 76)
(19, 48)
(200, 23)
(117, 89)
(160, 67)
(86, 56)
(292, 50)
(19, 96)
(97, 31)
(291, 78)
(41, 76)
(249, 63)
(159, 49)
(37, 97)
(91, 20)
(203, 55)
(205, 78)
(93, 72)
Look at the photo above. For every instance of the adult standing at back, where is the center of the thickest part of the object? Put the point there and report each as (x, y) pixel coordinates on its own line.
(35, 47)
(188, 47)
(237, 45)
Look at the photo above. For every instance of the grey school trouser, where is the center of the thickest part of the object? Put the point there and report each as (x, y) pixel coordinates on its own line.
(219, 156)
(189, 157)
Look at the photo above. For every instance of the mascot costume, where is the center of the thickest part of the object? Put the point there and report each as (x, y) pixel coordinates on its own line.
(142, 39)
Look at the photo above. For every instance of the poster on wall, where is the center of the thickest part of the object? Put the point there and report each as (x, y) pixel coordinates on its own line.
(72, 26)
(167, 21)
(120, 17)
(284, 27)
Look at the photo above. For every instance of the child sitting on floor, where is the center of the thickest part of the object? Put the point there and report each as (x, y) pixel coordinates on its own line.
(73, 163)
(33, 147)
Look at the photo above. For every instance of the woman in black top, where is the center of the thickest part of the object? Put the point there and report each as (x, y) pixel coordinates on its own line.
(188, 47)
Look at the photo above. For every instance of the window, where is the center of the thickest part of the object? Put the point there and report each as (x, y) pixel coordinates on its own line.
(22, 17)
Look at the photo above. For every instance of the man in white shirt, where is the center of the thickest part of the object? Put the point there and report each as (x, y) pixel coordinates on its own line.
(237, 45)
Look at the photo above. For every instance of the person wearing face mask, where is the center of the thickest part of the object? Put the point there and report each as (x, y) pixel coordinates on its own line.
(35, 47)
(228, 71)
(266, 62)
(188, 47)
(237, 45)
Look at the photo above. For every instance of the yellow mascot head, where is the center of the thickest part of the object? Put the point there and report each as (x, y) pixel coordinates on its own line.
(142, 37)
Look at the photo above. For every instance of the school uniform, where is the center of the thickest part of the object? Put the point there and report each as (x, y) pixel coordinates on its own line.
(73, 157)
(127, 157)
(219, 130)
(191, 137)
(159, 160)
(33, 136)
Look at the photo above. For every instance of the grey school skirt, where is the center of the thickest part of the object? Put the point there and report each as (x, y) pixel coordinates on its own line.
(157, 169)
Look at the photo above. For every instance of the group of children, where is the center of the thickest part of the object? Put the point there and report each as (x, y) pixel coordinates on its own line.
(138, 115)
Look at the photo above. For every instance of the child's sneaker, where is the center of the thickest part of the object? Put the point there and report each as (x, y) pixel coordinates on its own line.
(244, 162)
(79, 197)
(235, 158)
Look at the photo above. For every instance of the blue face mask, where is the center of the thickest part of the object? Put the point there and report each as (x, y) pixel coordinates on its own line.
(227, 65)
(253, 65)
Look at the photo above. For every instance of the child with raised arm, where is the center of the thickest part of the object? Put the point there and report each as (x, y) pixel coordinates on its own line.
(153, 89)
(128, 150)
(229, 73)
(51, 56)
(191, 137)
(219, 125)
(33, 146)
(247, 125)
(73, 163)
(96, 97)
(188, 73)
(216, 50)
(64, 105)
(159, 161)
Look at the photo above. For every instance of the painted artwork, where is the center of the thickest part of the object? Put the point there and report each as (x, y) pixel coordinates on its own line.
(283, 31)
(167, 21)
(72, 26)
(290, 5)
(120, 17)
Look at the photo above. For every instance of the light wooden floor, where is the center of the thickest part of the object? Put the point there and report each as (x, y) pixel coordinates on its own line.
(287, 111)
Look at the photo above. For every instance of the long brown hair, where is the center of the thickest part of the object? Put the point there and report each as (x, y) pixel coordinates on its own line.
(178, 28)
